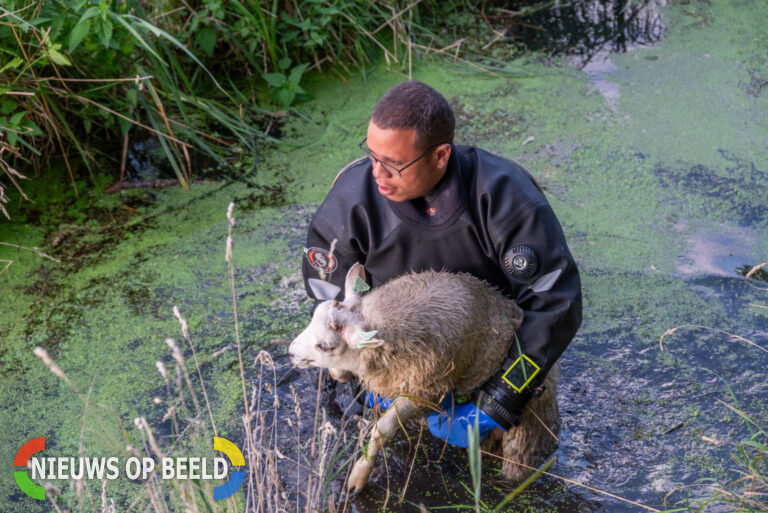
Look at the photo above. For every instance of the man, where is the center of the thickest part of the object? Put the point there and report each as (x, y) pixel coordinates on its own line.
(416, 201)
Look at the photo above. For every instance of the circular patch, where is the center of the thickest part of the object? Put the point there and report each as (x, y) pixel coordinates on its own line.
(521, 261)
(431, 211)
(321, 260)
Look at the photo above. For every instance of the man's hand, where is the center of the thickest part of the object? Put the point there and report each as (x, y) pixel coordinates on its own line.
(451, 422)
(452, 426)
(372, 400)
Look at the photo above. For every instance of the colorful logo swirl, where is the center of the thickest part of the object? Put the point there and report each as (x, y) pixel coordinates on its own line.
(21, 476)
(236, 459)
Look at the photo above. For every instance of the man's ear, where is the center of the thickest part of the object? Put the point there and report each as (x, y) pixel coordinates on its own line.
(442, 155)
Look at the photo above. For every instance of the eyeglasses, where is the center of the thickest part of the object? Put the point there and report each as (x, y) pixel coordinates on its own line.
(389, 167)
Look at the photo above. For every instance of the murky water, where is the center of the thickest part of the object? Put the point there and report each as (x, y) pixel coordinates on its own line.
(633, 415)
(587, 29)
(643, 421)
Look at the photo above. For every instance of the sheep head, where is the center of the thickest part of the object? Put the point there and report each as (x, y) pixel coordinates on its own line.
(337, 332)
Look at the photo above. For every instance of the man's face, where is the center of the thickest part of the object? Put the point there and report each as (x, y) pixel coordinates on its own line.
(398, 148)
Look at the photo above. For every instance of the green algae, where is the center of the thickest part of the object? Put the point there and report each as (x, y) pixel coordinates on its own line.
(106, 322)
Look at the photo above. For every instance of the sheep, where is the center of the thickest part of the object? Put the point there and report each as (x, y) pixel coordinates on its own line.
(417, 338)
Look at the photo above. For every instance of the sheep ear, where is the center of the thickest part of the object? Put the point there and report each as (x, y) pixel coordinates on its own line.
(365, 339)
(355, 282)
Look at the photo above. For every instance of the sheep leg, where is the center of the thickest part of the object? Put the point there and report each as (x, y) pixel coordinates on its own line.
(385, 428)
(536, 438)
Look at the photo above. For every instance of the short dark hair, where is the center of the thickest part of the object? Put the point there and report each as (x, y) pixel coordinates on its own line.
(413, 104)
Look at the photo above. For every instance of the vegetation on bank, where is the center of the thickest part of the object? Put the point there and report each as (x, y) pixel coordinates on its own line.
(81, 81)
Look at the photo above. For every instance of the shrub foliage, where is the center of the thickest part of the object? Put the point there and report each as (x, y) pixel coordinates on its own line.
(78, 80)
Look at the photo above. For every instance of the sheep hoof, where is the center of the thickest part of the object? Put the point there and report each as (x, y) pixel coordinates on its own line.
(358, 478)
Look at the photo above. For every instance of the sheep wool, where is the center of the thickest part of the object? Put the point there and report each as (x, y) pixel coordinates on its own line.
(442, 332)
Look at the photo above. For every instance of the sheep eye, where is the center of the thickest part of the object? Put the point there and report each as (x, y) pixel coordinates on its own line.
(324, 348)
(334, 326)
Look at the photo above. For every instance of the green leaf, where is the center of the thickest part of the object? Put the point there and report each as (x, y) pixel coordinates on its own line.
(297, 72)
(103, 29)
(138, 37)
(78, 33)
(275, 79)
(206, 40)
(40, 21)
(57, 57)
(12, 138)
(16, 119)
(752, 443)
(31, 127)
(56, 27)
(8, 106)
(14, 64)
(361, 286)
(131, 96)
(161, 33)
(284, 63)
(284, 96)
(127, 47)
(290, 36)
(125, 126)
(90, 13)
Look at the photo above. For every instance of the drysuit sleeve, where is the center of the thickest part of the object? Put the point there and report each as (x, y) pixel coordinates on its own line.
(542, 273)
(326, 260)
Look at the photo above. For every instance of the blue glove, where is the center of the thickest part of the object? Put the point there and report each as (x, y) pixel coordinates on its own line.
(373, 400)
(453, 427)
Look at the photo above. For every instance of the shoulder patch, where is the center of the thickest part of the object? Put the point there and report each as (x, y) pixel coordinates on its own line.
(321, 259)
(521, 261)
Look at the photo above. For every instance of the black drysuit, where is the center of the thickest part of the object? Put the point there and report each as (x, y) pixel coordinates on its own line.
(487, 217)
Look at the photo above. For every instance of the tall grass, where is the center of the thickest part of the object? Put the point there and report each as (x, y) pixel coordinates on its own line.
(316, 462)
(748, 489)
(80, 80)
